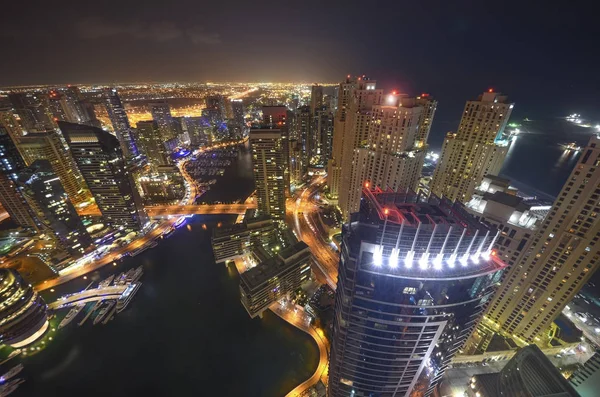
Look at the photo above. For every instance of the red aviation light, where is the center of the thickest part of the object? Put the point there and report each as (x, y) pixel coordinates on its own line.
(491, 90)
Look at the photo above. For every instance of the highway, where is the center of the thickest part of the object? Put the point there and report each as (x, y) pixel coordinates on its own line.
(301, 321)
(301, 212)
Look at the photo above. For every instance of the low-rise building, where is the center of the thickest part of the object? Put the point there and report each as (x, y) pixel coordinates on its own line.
(274, 278)
(237, 240)
(586, 379)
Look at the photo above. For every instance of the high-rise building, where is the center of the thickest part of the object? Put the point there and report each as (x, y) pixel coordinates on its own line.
(316, 98)
(563, 256)
(321, 136)
(101, 162)
(198, 129)
(68, 105)
(120, 123)
(586, 380)
(237, 110)
(304, 125)
(45, 194)
(279, 117)
(296, 164)
(33, 110)
(528, 374)
(428, 107)
(415, 274)
(268, 165)
(216, 104)
(161, 114)
(23, 313)
(50, 145)
(151, 142)
(334, 167)
(475, 150)
(274, 278)
(386, 151)
(11, 196)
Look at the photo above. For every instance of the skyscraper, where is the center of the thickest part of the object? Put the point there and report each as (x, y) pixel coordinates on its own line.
(216, 105)
(334, 167)
(415, 274)
(150, 140)
(49, 145)
(321, 136)
(11, 196)
(33, 110)
(389, 154)
(99, 157)
(161, 114)
(120, 123)
(198, 129)
(304, 125)
(268, 166)
(237, 109)
(278, 117)
(316, 98)
(475, 150)
(45, 194)
(564, 254)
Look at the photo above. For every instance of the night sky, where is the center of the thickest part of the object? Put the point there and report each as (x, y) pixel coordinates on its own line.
(544, 56)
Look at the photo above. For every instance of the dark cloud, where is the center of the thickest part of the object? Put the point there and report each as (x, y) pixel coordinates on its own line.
(162, 31)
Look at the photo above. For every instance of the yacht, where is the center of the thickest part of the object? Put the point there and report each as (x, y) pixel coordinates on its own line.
(11, 373)
(571, 146)
(104, 312)
(10, 387)
(127, 296)
(106, 282)
(71, 315)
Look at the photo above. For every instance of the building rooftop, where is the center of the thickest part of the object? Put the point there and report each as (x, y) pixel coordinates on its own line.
(270, 268)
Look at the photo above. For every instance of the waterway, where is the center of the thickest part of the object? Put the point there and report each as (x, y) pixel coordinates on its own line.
(184, 334)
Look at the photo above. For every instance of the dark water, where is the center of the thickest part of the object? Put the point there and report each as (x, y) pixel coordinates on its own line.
(184, 334)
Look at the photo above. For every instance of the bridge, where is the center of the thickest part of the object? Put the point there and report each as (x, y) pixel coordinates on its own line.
(159, 211)
(89, 295)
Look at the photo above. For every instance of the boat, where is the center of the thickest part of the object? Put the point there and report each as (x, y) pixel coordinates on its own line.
(11, 373)
(71, 315)
(571, 146)
(135, 276)
(92, 310)
(10, 387)
(180, 222)
(169, 233)
(116, 279)
(104, 311)
(12, 355)
(106, 282)
(123, 279)
(127, 296)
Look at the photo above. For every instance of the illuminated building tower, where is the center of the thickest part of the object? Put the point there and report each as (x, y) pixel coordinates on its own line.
(415, 273)
(391, 155)
(49, 145)
(334, 167)
(316, 98)
(198, 130)
(67, 105)
(216, 103)
(278, 117)
(274, 278)
(237, 109)
(528, 374)
(100, 160)
(296, 162)
(428, 107)
(23, 313)
(304, 125)
(268, 166)
(161, 114)
(321, 136)
(11, 196)
(45, 194)
(563, 256)
(120, 123)
(10, 123)
(151, 142)
(475, 150)
(33, 110)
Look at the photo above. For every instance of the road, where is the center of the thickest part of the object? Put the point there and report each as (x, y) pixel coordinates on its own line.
(589, 327)
(300, 214)
(301, 321)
